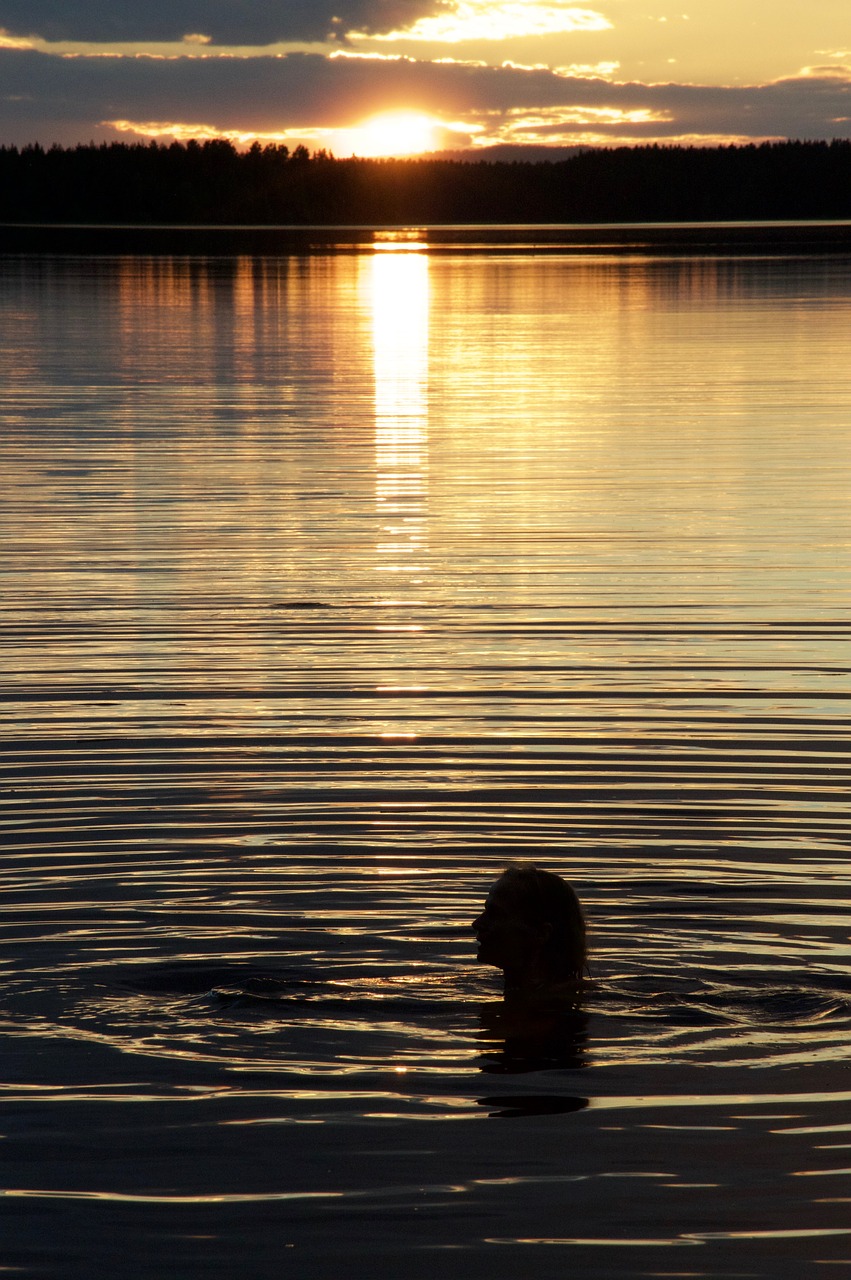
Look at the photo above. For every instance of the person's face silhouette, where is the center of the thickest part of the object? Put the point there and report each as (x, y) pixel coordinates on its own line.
(507, 939)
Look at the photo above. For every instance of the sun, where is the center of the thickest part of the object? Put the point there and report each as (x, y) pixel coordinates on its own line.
(394, 133)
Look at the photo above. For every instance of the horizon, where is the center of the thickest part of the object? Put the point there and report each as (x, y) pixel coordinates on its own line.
(498, 152)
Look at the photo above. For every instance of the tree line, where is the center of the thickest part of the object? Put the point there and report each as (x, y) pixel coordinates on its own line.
(212, 182)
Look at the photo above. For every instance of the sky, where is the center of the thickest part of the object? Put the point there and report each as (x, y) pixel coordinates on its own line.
(373, 77)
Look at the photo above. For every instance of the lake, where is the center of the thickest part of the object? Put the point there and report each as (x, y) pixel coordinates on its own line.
(332, 582)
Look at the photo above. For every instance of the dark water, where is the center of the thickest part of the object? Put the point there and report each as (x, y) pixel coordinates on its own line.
(329, 585)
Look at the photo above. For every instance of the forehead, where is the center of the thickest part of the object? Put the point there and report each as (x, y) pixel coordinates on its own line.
(501, 892)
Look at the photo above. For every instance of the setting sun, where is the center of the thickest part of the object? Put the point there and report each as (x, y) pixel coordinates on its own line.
(395, 133)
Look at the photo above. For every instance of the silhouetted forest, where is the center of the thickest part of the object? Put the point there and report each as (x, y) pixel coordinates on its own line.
(212, 182)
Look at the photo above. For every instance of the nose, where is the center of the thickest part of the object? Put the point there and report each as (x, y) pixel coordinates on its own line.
(477, 923)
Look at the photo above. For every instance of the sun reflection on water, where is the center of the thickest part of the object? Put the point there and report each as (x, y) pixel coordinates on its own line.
(400, 315)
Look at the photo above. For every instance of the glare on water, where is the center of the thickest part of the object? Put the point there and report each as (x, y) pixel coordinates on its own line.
(332, 583)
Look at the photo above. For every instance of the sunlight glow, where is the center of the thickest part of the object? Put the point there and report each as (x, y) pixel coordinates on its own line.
(197, 132)
(15, 42)
(483, 20)
(530, 121)
(587, 70)
(395, 133)
(584, 126)
(407, 241)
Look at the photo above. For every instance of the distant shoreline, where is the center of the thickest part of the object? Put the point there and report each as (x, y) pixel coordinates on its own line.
(154, 197)
(774, 239)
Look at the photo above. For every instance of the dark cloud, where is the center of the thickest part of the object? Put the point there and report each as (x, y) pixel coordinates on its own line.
(235, 22)
(46, 98)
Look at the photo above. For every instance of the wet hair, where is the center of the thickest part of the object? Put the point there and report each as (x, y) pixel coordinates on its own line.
(541, 898)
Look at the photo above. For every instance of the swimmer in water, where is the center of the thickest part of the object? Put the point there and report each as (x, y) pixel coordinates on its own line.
(533, 929)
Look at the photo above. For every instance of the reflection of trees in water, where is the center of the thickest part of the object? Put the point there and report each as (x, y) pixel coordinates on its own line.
(511, 1106)
(517, 1040)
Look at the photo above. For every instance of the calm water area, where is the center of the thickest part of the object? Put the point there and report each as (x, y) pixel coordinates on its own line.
(330, 584)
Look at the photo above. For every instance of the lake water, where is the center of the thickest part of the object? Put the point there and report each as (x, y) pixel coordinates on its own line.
(332, 583)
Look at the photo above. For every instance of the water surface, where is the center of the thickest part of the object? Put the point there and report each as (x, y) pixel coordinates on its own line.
(332, 583)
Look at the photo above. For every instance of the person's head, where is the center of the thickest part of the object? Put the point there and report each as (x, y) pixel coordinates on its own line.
(532, 928)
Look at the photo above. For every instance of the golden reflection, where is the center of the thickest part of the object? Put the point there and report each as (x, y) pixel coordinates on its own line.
(405, 239)
(125, 1197)
(400, 314)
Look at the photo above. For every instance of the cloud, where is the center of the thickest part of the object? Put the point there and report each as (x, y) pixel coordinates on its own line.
(498, 20)
(228, 22)
(47, 98)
